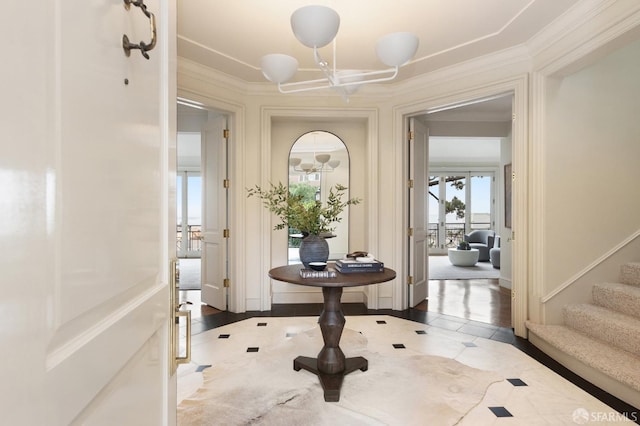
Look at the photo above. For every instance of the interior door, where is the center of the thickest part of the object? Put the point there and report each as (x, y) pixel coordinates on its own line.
(215, 213)
(418, 212)
(85, 216)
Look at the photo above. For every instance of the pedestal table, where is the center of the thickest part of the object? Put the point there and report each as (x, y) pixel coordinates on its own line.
(331, 365)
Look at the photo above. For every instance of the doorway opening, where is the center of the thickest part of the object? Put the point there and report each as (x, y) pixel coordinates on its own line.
(202, 234)
(189, 196)
(468, 147)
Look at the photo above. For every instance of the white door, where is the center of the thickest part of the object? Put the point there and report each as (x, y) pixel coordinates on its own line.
(84, 215)
(214, 215)
(418, 212)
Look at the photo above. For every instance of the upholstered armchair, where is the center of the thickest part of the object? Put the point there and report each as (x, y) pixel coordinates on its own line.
(494, 253)
(483, 240)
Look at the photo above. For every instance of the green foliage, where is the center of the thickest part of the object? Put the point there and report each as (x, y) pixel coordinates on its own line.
(299, 212)
(464, 245)
(308, 192)
(455, 205)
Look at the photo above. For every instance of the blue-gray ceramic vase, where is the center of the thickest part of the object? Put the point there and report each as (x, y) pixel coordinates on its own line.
(313, 248)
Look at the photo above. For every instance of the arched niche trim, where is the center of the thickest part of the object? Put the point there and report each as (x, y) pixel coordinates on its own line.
(318, 161)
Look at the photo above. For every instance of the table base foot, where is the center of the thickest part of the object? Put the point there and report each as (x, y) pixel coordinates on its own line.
(331, 383)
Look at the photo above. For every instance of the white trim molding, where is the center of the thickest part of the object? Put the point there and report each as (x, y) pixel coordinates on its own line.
(519, 86)
(267, 114)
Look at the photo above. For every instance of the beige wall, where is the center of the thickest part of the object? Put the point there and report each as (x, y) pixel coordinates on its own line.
(591, 155)
(589, 125)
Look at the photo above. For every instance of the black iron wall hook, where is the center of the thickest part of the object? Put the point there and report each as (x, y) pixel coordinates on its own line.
(142, 46)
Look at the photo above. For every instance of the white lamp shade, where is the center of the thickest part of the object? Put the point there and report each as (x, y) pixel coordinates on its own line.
(397, 49)
(307, 167)
(278, 67)
(334, 163)
(322, 158)
(315, 26)
(294, 161)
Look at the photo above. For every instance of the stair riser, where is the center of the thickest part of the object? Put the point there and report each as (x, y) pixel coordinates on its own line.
(617, 300)
(630, 274)
(620, 335)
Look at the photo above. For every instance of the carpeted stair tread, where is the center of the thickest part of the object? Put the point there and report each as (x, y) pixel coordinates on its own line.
(604, 324)
(619, 297)
(614, 362)
(630, 273)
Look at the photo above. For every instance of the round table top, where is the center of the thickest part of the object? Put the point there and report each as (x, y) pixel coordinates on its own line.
(291, 274)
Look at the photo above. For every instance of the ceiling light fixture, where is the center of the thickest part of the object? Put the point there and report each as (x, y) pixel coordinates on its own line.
(323, 160)
(317, 26)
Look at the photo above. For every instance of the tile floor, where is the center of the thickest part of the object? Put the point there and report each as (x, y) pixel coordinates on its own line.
(529, 394)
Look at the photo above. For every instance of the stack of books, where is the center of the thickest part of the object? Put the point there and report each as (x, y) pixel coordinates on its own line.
(347, 266)
(310, 273)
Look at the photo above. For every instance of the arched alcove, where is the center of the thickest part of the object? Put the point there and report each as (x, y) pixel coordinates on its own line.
(318, 161)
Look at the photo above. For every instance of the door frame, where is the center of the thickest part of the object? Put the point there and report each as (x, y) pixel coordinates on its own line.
(417, 239)
(517, 86)
(236, 256)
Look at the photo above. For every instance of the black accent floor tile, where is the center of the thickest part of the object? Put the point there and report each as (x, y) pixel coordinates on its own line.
(470, 344)
(421, 332)
(262, 324)
(253, 349)
(398, 346)
(202, 367)
(500, 412)
(517, 382)
(381, 322)
(224, 336)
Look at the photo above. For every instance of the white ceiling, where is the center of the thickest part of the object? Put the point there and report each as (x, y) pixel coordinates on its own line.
(232, 35)
(443, 150)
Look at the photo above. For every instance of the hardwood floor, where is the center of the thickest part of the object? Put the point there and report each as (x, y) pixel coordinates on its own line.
(480, 300)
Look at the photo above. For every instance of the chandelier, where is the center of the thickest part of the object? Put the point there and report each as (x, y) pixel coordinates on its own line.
(322, 163)
(316, 27)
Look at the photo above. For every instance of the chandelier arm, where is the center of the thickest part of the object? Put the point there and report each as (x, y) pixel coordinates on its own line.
(291, 87)
(324, 67)
(311, 85)
(393, 71)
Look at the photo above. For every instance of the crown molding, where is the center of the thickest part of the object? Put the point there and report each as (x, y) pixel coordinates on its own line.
(515, 59)
(187, 68)
(587, 27)
(508, 62)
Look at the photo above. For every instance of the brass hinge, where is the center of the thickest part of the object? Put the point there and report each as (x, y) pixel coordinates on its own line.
(410, 232)
(225, 233)
(410, 183)
(513, 116)
(513, 294)
(409, 280)
(225, 133)
(226, 283)
(410, 135)
(226, 183)
(513, 235)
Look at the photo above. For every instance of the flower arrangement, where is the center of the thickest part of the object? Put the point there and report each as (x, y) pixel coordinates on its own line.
(308, 217)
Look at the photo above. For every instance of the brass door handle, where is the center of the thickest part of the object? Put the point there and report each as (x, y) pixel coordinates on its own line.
(142, 46)
(187, 358)
(174, 326)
